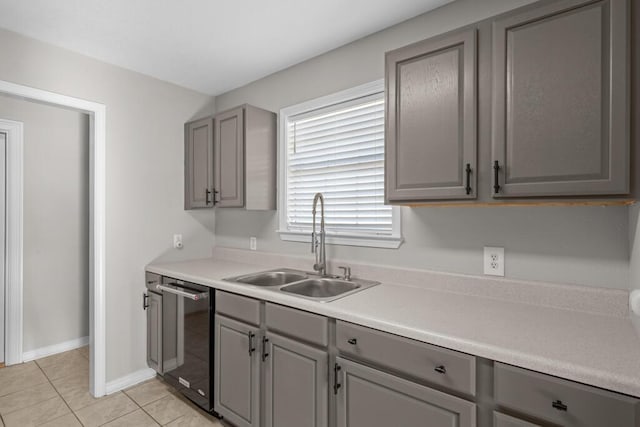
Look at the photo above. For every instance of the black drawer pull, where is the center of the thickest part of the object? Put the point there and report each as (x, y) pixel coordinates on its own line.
(559, 405)
(441, 369)
(336, 384)
(145, 304)
(496, 177)
(251, 335)
(215, 200)
(352, 341)
(468, 186)
(265, 340)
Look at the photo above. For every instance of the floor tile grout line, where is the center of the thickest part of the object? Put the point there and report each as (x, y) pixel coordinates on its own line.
(119, 416)
(148, 403)
(151, 416)
(60, 396)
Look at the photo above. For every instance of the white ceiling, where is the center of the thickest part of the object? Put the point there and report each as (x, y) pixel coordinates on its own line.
(208, 45)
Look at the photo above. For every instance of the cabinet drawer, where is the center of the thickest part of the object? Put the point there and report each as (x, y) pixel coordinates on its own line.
(502, 420)
(448, 368)
(298, 324)
(238, 307)
(562, 402)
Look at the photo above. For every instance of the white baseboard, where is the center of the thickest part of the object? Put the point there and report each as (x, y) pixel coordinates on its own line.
(130, 380)
(39, 353)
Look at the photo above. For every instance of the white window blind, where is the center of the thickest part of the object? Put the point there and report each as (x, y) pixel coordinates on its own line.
(339, 151)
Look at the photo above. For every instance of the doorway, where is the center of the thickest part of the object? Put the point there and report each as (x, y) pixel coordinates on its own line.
(14, 232)
(55, 226)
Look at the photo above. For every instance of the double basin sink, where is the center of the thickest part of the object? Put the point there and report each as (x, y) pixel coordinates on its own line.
(303, 284)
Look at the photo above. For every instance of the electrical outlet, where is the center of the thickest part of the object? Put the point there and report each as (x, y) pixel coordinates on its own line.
(253, 243)
(493, 261)
(177, 241)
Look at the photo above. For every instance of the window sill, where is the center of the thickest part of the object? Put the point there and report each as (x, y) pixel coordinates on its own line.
(387, 242)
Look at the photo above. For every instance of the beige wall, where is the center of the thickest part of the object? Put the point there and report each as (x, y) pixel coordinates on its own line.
(583, 245)
(56, 221)
(144, 167)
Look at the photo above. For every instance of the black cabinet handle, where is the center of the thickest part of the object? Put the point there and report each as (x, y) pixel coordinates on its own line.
(145, 304)
(468, 172)
(496, 177)
(559, 405)
(336, 384)
(214, 196)
(440, 369)
(265, 340)
(251, 335)
(352, 341)
(206, 196)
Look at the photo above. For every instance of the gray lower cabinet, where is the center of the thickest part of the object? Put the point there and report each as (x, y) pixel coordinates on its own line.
(431, 119)
(296, 389)
(237, 372)
(561, 402)
(502, 420)
(367, 397)
(561, 100)
(153, 305)
(198, 164)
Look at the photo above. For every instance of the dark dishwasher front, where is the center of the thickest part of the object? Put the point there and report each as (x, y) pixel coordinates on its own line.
(187, 336)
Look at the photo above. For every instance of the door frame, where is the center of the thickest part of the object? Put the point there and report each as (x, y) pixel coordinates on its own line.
(3, 242)
(97, 233)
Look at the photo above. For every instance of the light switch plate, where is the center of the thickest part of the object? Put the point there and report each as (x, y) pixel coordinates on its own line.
(253, 243)
(493, 261)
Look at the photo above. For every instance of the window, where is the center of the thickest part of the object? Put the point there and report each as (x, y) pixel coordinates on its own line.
(335, 145)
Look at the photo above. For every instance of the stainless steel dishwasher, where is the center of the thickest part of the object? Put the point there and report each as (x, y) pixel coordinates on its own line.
(187, 339)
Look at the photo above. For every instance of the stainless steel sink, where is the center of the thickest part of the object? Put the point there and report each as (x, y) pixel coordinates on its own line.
(271, 278)
(320, 288)
(304, 285)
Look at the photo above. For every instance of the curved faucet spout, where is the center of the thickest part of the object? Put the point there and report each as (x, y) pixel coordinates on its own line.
(321, 262)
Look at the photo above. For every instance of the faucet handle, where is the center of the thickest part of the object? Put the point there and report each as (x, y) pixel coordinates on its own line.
(346, 271)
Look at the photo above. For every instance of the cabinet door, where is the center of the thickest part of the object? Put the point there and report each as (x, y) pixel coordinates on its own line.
(229, 155)
(502, 420)
(237, 363)
(296, 384)
(368, 397)
(431, 120)
(154, 331)
(198, 167)
(560, 100)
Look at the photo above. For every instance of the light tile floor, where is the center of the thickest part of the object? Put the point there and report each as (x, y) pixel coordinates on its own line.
(54, 392)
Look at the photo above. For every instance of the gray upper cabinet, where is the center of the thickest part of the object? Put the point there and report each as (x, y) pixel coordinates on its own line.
(229, 155)
(237, 372)
(198, 164)
(561, 100)
(368, 397)
(431, 133)
(245, 158)
(296, 390)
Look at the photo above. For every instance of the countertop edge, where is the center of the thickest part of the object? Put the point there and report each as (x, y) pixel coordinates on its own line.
(555, 367)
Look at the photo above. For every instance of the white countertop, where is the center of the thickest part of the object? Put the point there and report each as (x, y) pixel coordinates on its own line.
(594, 349)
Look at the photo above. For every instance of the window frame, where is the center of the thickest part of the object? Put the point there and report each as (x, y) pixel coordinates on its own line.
(392, 241)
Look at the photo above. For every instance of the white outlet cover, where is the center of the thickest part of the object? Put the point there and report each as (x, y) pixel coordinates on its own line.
(493, 261)
(253, 243)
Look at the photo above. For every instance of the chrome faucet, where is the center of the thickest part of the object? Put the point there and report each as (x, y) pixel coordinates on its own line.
(321, 257)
